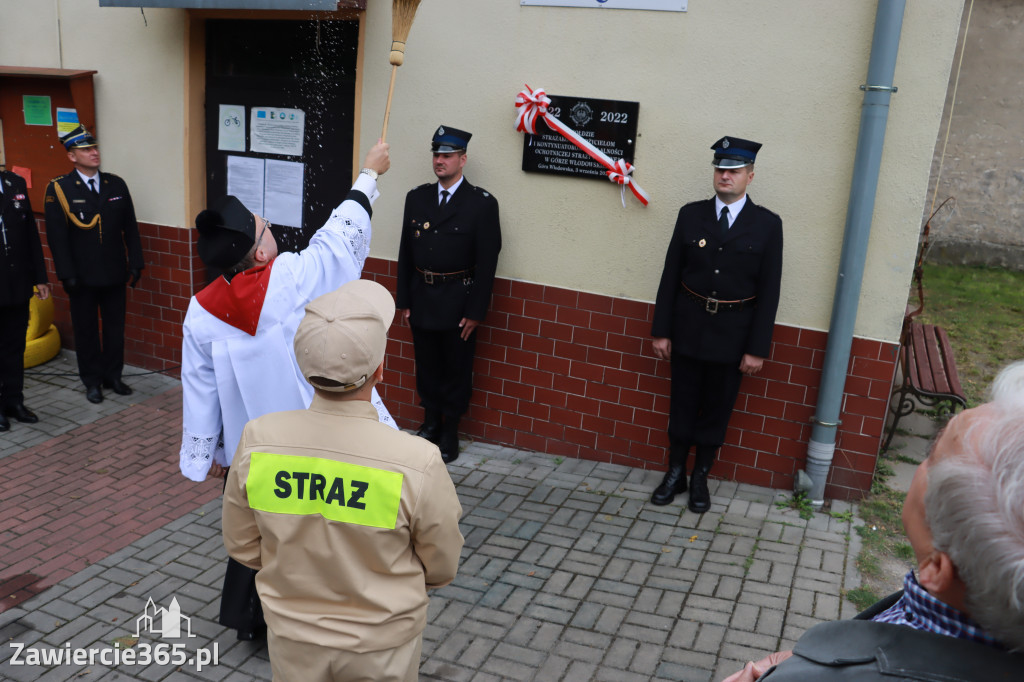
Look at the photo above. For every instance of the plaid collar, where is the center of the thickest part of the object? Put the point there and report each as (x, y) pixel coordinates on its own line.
(921, 611)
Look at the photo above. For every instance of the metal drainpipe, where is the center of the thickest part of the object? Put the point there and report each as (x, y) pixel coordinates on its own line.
(875, 113)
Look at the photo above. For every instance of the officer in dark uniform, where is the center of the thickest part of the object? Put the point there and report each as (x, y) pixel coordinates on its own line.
(21, 267)
(449, 251)
(715, 313)
(94, 238)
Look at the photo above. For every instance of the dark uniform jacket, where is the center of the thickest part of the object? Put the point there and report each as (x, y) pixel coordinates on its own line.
(748, 262)
(100, 256)
(862, 650)
(21, 253)
(463, 235)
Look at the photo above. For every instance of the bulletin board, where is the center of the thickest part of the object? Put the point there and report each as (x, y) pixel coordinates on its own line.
(299, 68)
(25, 140)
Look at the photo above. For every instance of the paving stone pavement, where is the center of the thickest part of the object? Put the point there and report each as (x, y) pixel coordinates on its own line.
(54, 392)
(568, 574)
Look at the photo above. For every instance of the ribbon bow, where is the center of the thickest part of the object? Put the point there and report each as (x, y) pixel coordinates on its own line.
(533, 104)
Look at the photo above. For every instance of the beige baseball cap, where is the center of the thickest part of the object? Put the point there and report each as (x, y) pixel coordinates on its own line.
(340, 342)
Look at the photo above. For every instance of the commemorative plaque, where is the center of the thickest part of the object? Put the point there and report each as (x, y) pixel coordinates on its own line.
(610, 125)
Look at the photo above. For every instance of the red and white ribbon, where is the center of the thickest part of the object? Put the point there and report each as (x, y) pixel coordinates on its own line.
(533, 104)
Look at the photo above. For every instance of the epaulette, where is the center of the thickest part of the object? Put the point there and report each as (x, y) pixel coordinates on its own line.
(480, 189)
(60, 177)
(768, 211)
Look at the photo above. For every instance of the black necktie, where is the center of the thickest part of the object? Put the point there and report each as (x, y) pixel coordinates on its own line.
(723, 222)
(444, 197)
(92, 185)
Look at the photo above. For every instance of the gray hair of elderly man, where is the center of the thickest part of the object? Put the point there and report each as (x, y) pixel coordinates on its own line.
(974, 505)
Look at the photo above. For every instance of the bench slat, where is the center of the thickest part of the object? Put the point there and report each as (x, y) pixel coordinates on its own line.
(936, 360)
(947, 352)
(921, 361)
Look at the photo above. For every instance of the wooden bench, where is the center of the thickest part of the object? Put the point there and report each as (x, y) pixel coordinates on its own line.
(929, 373)
(926, 356)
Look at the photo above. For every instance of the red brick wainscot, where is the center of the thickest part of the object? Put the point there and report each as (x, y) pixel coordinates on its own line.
(572, 373)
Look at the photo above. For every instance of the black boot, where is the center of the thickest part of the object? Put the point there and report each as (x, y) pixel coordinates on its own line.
(675, 478)
(700, 497)
(431, 427)
(449, 441)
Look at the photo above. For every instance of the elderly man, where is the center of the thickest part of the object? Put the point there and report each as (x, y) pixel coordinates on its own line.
(962, 612)
(348, 521)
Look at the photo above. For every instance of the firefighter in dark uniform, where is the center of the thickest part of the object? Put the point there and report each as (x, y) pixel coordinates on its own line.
(94, 238)
(715, 314)
(21, 268)
(446, 261)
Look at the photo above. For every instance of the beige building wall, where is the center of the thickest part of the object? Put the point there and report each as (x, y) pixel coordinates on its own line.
(786, 74)
(139, 86)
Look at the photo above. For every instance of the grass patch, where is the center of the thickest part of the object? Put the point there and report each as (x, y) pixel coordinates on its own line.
(900, 457)
(884, 511)
(979, 308)
(800, 502)
(882, 536)
(904, 551)
(862, 597)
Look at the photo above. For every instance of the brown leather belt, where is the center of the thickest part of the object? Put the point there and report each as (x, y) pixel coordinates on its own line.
(431, 277)
(713, 305)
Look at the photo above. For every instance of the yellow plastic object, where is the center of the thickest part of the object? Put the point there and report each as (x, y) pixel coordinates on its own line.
(40, 317)
(39, 350)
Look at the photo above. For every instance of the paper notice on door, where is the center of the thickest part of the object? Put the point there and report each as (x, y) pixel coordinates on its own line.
(283, 192)
(231, 129)
(36, 109)
(245, 182)
(276, 131)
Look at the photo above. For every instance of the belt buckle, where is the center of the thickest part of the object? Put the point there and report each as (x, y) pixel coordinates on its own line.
(428, 277)
(708, 307)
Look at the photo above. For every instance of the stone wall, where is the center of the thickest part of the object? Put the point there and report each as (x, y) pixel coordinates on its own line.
(983, 163)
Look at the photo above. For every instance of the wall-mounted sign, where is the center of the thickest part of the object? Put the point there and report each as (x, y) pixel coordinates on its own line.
(610, 125)
(663, 5)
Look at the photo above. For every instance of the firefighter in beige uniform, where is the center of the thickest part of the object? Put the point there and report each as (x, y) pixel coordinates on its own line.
(347, 520)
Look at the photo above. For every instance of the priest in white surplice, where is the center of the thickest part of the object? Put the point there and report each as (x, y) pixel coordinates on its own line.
(237, 358)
